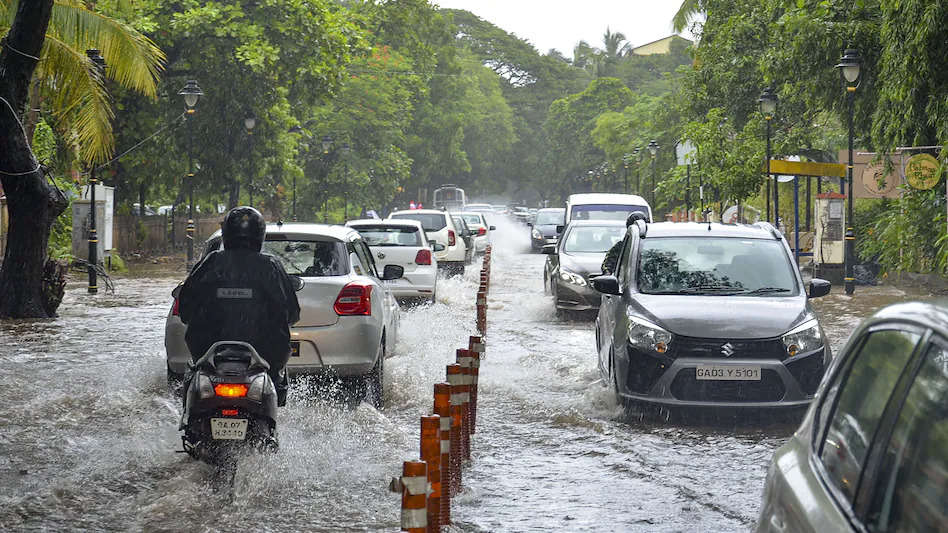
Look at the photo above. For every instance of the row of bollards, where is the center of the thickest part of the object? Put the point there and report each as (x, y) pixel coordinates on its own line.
(427, 485)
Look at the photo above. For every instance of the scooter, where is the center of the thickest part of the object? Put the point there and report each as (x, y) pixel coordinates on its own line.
(230, 405)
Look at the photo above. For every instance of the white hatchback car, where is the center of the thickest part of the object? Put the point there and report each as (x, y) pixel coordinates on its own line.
(478, 223)
(403, 243)
(452, 255)
(348, 317)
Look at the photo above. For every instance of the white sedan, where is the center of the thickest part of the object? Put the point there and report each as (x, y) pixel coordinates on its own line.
(477, 221)
(402, 242)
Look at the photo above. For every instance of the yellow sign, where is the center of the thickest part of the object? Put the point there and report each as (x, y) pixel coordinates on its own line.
(921, 171)
(798, 168)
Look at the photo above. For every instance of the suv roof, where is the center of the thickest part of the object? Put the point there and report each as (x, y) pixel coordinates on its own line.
(388, 222)
(304, 229)
(420, 211)
(701, 229)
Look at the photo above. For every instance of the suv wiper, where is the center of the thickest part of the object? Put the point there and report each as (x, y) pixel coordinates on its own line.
(767, 290)
(712, 289)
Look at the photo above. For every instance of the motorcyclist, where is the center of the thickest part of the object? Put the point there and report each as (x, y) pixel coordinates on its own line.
(241, 294)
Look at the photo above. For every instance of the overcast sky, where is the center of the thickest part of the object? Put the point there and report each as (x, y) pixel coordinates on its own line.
(561, 24)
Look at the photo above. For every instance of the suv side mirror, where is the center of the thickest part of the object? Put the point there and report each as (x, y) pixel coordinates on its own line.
(436, 246)
(819, 287)
(559, 229)
(392, 272)
(607, 284)
(492, 228)
(529, 224)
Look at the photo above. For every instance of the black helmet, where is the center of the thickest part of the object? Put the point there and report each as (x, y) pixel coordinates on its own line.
(243, 227)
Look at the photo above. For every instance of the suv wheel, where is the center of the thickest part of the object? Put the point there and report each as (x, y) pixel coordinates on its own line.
(375, 381)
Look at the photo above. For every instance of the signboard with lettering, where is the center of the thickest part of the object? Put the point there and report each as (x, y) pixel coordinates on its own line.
(921, 171)
(875, 179)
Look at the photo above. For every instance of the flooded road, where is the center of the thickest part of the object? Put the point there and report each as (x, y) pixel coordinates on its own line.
(88, 430)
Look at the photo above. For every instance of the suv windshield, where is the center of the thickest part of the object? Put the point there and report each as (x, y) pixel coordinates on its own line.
(389, 236)
(472, 220)
(605, 211)
(550, 218)
(715, 265)
(592, 239)
(429, 221)
(309, 258)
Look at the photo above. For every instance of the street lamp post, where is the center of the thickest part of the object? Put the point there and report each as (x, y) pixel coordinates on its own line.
(249, 122)
(98, 63)
(653, 150)
(849, 68)
(637, 156)
(191, 93)
(768, 106)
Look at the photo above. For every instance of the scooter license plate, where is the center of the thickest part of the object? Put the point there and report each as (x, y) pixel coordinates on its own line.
(228, 428)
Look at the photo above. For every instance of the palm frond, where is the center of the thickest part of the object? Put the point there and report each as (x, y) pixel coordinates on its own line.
(688, 10)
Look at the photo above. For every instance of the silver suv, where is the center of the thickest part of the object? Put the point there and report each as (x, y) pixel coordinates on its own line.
(709, 315)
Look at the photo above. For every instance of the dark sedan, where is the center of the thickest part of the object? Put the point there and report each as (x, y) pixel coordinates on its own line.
(543, 231)
(577, 257)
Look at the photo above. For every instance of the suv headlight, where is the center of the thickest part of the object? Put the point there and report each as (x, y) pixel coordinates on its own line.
(804, 338)
(536, 234)
(572, 277)
(645, 335)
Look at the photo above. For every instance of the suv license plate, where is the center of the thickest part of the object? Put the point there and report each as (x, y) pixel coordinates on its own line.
(228, 428)
(727, 372)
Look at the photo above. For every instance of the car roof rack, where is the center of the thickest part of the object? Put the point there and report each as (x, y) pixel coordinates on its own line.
(767, 226)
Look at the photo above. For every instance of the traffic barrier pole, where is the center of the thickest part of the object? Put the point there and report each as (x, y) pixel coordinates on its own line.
(453, 375)
(431, 454)
(442, 407)
(465, 360)
(414, 496)
(475, 372)
(475, 343)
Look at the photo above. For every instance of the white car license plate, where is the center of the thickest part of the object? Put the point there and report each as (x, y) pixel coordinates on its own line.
(727, 372)
(228, 428)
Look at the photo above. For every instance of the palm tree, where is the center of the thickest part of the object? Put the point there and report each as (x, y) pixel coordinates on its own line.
(65, 79)
(615, 44)
(686, 13)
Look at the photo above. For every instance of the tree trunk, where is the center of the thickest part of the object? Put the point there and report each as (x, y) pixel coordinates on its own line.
(32, 203)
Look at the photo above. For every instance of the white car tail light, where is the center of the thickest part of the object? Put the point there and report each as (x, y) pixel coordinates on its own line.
(354, 299)
(423, 257)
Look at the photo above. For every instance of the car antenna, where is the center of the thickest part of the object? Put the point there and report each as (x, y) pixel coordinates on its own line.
(707, 217)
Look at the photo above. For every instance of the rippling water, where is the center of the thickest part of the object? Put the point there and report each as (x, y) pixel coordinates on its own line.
(88, 431)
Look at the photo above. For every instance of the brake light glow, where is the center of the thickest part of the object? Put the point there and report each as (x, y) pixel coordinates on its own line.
(452, 239)
(230, 390)
(482, 231)
(423, 257)
(354, 299)
(229, 412)
(174, 308)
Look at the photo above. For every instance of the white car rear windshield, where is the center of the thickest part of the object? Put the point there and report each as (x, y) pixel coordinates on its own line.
(429, 221)
(715, 265)
(473, 220)
(389, 236)
(592, 239)
(310, 257)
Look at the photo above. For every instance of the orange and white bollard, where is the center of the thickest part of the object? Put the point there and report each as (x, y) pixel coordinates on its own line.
(414, 496)
(465, 360)
(475, 372)
(442, 407)
(454, 375)
(481, 308)
(431, 454)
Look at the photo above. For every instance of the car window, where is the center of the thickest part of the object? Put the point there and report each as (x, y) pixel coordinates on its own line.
(473, 220)
(910, 490)
(550, 218)
(861, 399)
(711, 264)
(429, 221)
(310, 257)
(389, 236)
(592, 239)
(365, 259)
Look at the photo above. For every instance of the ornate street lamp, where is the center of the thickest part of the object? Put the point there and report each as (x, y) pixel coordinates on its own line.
(768, 107)
(849, 68)
(250, 122)
(98, 65)
(191, 93)
(653, 151)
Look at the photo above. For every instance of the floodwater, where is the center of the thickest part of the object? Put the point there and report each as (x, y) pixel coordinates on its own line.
(89, 439)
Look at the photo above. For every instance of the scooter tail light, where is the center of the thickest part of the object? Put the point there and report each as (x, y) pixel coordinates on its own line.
(229, 412)
(354, 299)
(174, 308)
(423, 257)
(231, 390)
(452, 238)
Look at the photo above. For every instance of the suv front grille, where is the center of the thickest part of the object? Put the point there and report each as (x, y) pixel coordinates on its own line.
(741, 349)
(686, 387)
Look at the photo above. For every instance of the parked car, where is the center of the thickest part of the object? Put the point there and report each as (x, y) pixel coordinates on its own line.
(576, 258)
(402, 242)
(601, 206)
(440, 228)
(709, 315)
(348, 317)
(478, 223)
(467, 234)
(543, 231)
(872, 452)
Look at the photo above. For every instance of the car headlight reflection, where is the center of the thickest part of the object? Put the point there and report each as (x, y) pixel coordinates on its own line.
(572, 277)
(536, 234)
(645, 335)
(804, 338)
